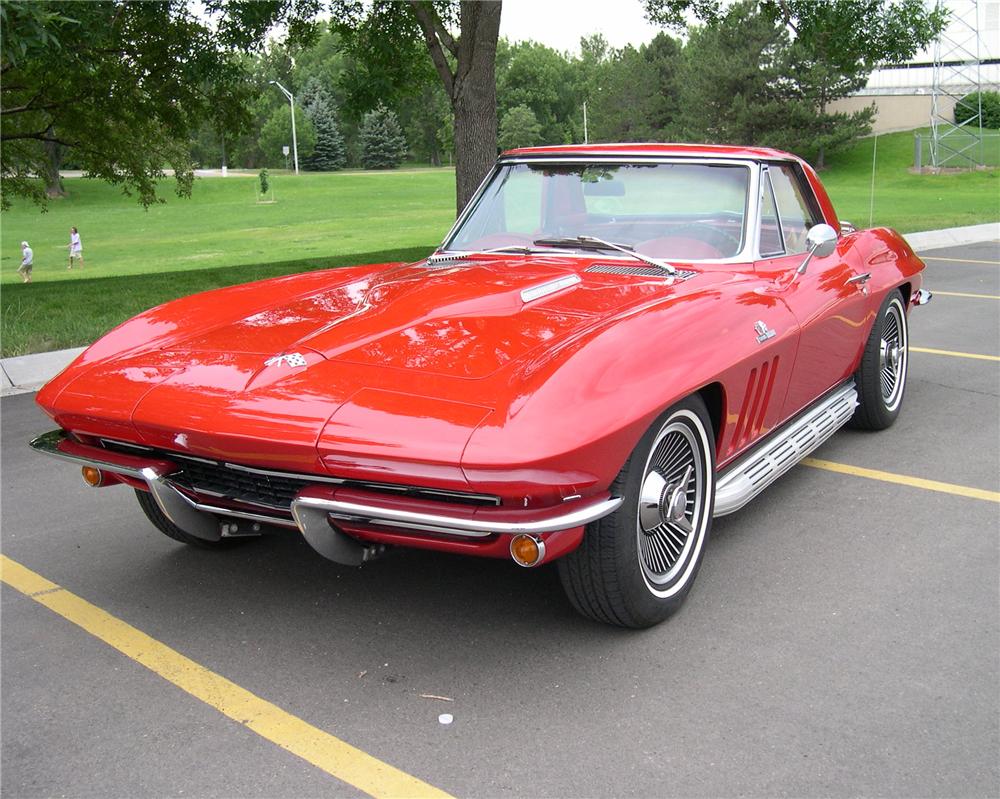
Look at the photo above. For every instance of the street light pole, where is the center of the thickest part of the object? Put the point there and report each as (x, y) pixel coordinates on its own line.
(295, 141)
(585, 140)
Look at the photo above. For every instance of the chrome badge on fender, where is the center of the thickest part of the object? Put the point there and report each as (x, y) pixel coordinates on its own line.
(763, 332)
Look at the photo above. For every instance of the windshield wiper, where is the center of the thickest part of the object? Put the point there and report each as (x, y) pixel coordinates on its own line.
(594, 243)
(458, 256)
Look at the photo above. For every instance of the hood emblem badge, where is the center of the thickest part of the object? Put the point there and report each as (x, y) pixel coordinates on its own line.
(291, 358)
(763, 332)
(181, 440)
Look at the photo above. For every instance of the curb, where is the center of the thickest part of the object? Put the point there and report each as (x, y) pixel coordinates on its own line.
(30, 372)
(950, 237)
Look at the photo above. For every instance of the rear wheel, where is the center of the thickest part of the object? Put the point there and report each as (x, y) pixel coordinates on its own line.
(635, 567)
(171, 530)
(881, 377)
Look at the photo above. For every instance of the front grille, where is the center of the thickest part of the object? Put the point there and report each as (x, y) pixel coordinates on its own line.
(255, 488)
(276, 489)
(638, 271)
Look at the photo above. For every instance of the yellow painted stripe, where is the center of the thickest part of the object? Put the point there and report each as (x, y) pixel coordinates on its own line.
(902, 479)
(312, 744)
(974, 355)
(963, 294)
(959, 260)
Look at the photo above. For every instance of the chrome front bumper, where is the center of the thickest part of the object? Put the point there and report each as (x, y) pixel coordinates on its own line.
(315, 506)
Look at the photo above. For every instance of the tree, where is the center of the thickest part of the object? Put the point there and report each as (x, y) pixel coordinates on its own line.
(519, 128)
(733, 88)
(534, 76)
(383, 145)
(835, 44)
(121, 86)
(277, 133)
(329, 153)
(382, 37)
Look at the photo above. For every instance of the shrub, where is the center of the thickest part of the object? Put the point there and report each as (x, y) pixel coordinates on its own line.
(968, 107)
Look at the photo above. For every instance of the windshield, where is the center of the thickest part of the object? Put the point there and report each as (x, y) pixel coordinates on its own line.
(679, 211)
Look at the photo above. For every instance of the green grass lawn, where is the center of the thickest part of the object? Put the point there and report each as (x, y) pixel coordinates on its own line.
(136, 258)
(69, 313)
(314, 215)
(905, 201)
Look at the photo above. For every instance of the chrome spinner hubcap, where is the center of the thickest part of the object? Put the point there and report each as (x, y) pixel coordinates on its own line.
(892, 356)
(661, 502)
(669, 504)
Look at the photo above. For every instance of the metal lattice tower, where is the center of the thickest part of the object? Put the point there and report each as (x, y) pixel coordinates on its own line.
(957, 73)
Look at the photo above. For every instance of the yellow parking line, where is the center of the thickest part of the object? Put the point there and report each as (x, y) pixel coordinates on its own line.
(902, 479)
(963, 294)
(974, 355)
(959, 260)
(312, 744)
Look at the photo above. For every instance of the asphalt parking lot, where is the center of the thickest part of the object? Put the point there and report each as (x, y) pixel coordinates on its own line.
(843, 637)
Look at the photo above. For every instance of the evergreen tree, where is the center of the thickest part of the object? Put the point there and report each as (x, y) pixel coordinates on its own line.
(383, 145)
(330, 152)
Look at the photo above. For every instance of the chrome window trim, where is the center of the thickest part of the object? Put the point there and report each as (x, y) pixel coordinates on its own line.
(767, 186)
(746, 254)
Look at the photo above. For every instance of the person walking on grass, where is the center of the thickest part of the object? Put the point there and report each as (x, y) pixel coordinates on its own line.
(27, 257)
(75, 247)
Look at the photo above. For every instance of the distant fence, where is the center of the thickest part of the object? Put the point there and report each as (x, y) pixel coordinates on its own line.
(958, 149)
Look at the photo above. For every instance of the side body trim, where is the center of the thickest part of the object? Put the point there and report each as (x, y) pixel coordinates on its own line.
(756, 470)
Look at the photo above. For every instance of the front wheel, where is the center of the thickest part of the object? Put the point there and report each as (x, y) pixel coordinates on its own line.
(171, 530)
(635, 567)
(881, 377)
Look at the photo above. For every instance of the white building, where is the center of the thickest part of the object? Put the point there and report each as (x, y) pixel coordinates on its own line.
(903, 94)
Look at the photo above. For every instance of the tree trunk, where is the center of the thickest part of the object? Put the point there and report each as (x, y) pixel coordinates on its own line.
(473, 96)
(53, 161)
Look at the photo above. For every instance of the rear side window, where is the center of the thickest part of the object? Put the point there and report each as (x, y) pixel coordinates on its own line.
(795, 211)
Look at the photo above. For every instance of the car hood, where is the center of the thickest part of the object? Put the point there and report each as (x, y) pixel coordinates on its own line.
(463, 319)
(406, 360)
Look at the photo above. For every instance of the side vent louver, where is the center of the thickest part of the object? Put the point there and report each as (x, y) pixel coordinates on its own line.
(756, 400)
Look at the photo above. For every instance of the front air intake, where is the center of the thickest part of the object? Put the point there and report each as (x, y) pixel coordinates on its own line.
(638, 271)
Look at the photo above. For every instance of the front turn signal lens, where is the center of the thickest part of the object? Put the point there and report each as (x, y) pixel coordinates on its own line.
(527, 550)
(92, 476)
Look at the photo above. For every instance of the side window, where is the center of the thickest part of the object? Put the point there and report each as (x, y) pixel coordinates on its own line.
(770, 231)
(794, 210)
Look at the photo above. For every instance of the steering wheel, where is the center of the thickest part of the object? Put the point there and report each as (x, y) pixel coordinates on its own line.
(724, 242)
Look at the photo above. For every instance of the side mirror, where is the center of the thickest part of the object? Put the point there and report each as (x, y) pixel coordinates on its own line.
(822, 241)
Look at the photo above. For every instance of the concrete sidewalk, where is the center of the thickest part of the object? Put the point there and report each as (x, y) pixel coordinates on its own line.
(30, 372)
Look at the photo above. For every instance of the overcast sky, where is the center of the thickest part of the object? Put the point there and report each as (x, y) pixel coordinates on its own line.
(561, 23)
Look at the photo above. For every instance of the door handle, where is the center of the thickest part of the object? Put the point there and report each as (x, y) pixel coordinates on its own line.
(863, 278)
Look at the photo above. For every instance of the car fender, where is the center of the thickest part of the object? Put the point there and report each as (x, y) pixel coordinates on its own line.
(164, 324)
(578, 410)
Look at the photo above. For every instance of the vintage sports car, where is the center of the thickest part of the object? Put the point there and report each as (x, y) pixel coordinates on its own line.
(614, 344)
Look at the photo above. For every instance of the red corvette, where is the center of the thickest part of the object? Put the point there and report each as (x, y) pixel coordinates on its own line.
(614, 344)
